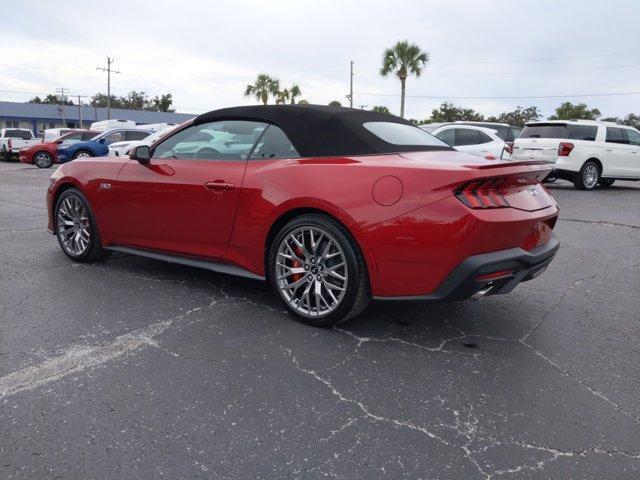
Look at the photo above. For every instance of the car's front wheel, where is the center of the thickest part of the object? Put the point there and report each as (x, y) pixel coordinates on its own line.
(75, 228)
(317, 270)
(43, 160)
(588, 176)
(82, 154)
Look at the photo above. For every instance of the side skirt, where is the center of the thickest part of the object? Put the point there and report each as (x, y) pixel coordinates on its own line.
(213, 265)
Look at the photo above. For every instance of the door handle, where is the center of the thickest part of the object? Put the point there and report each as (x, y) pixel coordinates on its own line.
(219, 186)
(608, 150)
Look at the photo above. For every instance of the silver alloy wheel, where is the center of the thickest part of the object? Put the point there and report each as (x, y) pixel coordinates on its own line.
(83, 155)
(42, 160)
(590, 176)
(73, 228)
(311, 271)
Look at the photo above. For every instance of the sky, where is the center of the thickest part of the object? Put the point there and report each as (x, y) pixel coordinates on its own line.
(206, 52)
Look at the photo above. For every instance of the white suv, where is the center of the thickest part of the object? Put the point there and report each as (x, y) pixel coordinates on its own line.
(584, 152)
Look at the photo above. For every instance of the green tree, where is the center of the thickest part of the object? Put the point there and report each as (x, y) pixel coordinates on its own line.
(579, 111)
(448, 112)
(303, 102)
(51, 99)
(135, 101)
(294, 92)
(518, 117)
(163, 103)
(262, 88)
(100, 100)
(403, 59)
(335, 103)
(282, 96)
(380, 109)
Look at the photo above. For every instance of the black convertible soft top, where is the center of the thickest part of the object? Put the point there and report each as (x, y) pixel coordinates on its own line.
(320, 131)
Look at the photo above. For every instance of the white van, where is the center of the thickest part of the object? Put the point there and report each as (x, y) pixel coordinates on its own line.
(104, 125)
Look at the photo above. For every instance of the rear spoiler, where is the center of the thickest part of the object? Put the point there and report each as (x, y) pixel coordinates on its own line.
(498, 164)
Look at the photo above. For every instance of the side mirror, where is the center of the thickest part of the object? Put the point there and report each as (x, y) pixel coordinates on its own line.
(59, 142)
(102, 140)
(141, 153)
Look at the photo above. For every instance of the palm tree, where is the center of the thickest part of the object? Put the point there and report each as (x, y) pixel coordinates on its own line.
(404, 59)
(294, 92)
(282, 96)
(262, 88)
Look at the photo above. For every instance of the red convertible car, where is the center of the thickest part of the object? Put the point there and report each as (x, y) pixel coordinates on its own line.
(44, 155)
(333, 206)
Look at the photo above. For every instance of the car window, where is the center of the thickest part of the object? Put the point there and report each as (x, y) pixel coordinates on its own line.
(483, 137)
(73, 136)
(88, 135)
(582, 132)
(465, 136)
(616, 135)
(135, 135)
(541, 130)
(21, 134)
(223, 140)
(402, 134)
(448, 136)
(113, 137)
(513, 134)
(274, 144)
(633, 137)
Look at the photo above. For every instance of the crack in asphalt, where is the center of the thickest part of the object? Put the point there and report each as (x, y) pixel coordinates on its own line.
(599, 222)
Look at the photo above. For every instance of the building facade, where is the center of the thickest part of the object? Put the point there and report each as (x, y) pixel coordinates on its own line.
(38, 117)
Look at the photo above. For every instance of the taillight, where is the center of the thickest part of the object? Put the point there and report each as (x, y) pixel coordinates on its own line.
(508, 147)
(564, 149)
(483, 194)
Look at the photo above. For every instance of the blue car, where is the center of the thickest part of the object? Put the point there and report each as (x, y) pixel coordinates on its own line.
(98, 146)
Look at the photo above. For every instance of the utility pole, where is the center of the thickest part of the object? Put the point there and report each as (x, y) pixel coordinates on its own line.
(80, 109)
(108, 70)
(62, 98)
(351, 86)
(362, 107)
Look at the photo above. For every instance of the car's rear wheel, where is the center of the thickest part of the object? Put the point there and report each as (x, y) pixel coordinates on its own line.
(588, 176)
(75, 228)
(43, 160)
(318, 271)
(82, 154)
(606, 182)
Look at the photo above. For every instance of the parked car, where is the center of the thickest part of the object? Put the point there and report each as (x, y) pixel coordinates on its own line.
(98, 146)
(51, 134)
(104, 125)
(120, 149)
(13, 139)
(584, 152)
(44, 155)
(430, 127)
(332, 205)
(506, 132)
(480, 141)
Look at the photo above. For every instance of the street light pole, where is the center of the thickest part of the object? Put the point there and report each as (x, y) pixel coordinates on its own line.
(351, 86)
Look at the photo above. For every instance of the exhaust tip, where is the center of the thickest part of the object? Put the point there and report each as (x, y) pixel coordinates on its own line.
(479, 295)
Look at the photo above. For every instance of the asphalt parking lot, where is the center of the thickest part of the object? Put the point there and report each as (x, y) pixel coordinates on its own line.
(134, 368)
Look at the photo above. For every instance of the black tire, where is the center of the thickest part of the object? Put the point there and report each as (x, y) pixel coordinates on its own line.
(6, 155)
(606, 182)
(93, 250)
(43, 159)
(588, 176)
(357, 293)
(82, 153)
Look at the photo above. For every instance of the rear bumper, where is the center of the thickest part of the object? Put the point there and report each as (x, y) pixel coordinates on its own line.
(463, 281)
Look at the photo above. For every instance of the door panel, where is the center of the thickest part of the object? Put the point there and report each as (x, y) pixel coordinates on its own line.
(616, 153)
(184, 206)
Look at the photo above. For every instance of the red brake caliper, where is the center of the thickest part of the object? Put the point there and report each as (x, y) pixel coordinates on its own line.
(296, 264)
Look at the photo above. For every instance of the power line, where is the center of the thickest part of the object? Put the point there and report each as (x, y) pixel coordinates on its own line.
(108, 70)
(615, 94)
